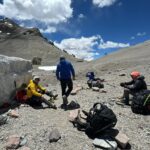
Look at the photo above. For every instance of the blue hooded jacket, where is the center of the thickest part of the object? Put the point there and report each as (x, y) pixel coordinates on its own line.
(64, 70)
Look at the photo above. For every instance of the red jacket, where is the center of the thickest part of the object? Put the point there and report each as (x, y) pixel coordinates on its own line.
(21, 96)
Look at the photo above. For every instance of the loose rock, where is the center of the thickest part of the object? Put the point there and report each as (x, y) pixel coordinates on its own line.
(54, 136)
(106, 143)
(13, 142)
(13, 113)
(95, 89)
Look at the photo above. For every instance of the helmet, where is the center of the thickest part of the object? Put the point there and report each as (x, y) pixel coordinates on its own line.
(135, 74)
(36, 77)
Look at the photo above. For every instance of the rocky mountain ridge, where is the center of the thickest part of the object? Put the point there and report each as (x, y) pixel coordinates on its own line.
(28, 43)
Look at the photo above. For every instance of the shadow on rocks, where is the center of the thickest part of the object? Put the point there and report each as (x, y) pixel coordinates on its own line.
(5, 109)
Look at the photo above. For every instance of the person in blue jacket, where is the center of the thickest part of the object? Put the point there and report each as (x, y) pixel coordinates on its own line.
(65, 73)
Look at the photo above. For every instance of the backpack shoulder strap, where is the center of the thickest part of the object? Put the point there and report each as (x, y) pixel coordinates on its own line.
(147, 99)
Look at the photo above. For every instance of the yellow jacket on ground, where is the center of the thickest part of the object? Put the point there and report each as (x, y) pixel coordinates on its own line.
(32, 89)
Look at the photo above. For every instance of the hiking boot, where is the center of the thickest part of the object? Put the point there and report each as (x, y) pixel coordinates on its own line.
(125, 101)
(65, 100)
(63, 106)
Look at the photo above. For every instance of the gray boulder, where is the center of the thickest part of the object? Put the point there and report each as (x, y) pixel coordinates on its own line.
(14, 72)
(36, 60)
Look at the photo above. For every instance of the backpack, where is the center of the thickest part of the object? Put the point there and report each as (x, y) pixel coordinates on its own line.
(21, 96)
(90, 75)
(100, 119)
(95, 83)
(141, 102)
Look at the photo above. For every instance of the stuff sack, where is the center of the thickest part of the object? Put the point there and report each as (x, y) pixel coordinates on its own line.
(100, 118)
(95, 83)
(141, 102)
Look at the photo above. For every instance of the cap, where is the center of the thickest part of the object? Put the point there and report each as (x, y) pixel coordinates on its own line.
(62, 57)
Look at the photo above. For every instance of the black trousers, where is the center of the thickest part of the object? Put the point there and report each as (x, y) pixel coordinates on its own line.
(126, 94)
(37, 101)
(66, 86)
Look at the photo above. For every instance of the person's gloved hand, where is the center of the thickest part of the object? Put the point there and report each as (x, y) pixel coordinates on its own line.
(43, 92)
(127, 86)
(122, 84)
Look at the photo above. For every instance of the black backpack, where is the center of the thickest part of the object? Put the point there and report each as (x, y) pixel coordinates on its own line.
(140, 102)
(95, 83)
(100, 119)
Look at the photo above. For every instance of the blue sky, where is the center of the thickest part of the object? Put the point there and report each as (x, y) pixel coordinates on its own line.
(87, 28)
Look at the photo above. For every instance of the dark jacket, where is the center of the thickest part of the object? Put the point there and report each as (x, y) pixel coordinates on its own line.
(64, 70)
(136, 85)
(90, 75)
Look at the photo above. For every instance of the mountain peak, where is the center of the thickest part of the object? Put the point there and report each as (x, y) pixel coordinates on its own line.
(28, 43)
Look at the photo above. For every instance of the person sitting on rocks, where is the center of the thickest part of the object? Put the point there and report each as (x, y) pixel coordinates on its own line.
(35, 93)
(94, 82)
(136, 85)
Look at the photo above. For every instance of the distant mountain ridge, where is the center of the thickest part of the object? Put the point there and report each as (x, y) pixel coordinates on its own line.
(131, 57)
(28, 43)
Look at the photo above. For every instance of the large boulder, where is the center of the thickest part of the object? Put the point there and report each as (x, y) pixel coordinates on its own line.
(13, 73)
(36, 60)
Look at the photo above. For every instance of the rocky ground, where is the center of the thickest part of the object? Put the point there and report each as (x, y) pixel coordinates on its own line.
(36, 124)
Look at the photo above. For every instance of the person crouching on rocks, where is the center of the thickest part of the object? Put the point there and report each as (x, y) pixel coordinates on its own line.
(35, 93)
(64, 72)
(136, 85)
